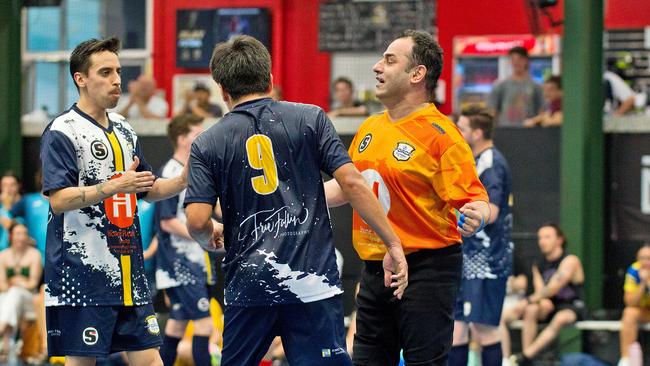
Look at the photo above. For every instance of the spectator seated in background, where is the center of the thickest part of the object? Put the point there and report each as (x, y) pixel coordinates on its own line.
(513, 308)
(344, 102)
(32, 210)
(20, 273)
(558, 278)
(637, 301)
(197, 102)
(518, 97)
(142, 101)
(552, 113)
(9, 194)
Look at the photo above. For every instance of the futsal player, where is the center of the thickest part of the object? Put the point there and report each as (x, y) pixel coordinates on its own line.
(263, 161)
(183, 268)
(487, 256)
(96, 293)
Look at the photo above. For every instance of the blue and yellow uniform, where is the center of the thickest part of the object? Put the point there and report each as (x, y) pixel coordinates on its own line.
(183, 268)
(263, 161)
(487, 256)
(96, 292)
(632, 282)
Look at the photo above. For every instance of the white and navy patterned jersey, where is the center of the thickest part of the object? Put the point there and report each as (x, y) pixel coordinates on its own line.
(263, 161)
(179, 261)
(488, 254)
(93, 254)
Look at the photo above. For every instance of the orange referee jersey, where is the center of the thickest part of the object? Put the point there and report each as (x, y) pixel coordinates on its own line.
(421, 169)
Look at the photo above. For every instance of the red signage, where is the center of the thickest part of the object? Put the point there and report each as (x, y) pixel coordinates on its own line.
(500, 45)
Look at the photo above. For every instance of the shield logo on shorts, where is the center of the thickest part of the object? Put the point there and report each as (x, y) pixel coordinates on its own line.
(152, 325)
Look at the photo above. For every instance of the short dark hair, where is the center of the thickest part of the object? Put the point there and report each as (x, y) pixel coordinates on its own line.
(558, 231)
(344, 80)
(518, 50)
(181, 124)
(480, 118)
(555, 79)
(80, 57)
(242, 66)
(426, 51)
(201, 87)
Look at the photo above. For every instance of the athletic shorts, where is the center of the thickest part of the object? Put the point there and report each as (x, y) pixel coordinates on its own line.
(312, 333)
(97, 331)
(189, 302)
(480, 301)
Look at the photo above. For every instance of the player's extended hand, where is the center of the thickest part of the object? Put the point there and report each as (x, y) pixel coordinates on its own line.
(471, 219)
(396, 272)
(132, 181)
(216, 240)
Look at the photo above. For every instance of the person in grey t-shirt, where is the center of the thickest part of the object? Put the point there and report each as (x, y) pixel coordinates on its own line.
(518, 97)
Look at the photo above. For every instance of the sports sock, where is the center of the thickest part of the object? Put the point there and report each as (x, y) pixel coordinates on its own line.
(200, 350)
(168, 350)
(491, 355)
(458, 355)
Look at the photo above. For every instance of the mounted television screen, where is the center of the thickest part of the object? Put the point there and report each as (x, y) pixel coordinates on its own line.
(198, 30)
(231, 22)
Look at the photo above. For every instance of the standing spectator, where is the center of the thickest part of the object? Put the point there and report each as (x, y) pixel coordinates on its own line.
(344, 102)
(9, 196)
(142, 100)
(198, 102)
(263, 164)
(487, 256)
(552, 113)
(637, 301)
(20, 272)
(558, 278)
(517, 97)
(422, 170)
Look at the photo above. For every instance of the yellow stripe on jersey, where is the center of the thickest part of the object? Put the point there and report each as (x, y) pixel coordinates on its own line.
(126, 279)
(208, 269)
(118, 157)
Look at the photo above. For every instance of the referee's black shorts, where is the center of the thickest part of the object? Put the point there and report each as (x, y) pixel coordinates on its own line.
(421, 323)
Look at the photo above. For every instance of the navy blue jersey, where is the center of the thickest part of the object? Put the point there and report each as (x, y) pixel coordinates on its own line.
(263, 161)
(180, 261)
(488, 254)
(93, 254)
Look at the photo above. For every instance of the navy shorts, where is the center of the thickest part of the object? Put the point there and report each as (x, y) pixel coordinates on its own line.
(312, 333)
(191, 302)
(97, 331)
(480, 301)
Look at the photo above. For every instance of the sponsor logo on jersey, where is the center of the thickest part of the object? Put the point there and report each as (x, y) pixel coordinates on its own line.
(403, 151)
(120, 208)
(90, 336)
(365, 142)
(99, 149)
(152, 325)
(203, 304)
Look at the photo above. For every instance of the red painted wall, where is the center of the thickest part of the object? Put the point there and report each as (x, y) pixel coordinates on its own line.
(624, 14)
(298, 67)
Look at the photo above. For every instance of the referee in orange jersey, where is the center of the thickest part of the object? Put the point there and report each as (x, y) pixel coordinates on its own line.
(422, 171)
